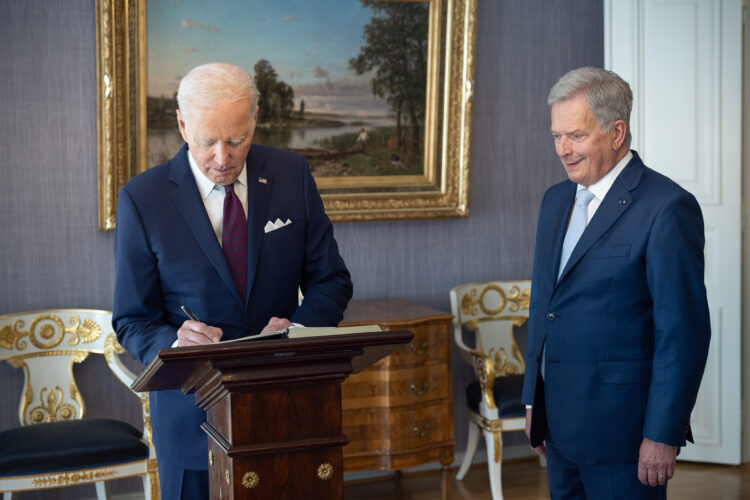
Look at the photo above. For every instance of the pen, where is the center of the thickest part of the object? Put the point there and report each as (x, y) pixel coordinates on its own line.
(189, 313)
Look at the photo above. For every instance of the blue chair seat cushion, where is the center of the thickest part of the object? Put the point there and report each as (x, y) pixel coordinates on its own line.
(507, 393)
(68, 445)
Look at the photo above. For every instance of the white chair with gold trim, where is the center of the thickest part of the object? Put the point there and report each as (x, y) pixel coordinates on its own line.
(55, 447)
(488, 312)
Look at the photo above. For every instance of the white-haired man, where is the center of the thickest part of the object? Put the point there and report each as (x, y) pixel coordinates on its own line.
(619, 326)
(195, 231)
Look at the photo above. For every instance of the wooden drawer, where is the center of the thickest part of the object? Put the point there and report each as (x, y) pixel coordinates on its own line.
(432, 329)
(397, 387)
(398, 430)
(314, 474)
(398, 413)
(429, 344)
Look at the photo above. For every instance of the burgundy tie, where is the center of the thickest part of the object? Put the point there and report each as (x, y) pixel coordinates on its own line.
(234, 238)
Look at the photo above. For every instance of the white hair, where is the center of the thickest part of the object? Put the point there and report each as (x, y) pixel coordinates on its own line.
(609, 96)
(211, 83)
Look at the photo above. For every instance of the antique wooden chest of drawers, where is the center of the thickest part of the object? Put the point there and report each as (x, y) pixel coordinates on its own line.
(399, 412)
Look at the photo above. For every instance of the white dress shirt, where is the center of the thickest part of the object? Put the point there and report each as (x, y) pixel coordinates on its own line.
(601, 187)
(213, 195)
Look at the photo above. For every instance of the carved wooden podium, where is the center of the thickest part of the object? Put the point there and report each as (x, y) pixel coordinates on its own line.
(273, 408)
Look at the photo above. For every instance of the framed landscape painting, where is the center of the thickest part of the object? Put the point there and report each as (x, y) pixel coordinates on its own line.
(376, 94)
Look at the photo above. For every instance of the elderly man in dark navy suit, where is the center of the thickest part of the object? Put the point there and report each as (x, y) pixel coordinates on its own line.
(229, 230)
(619, 324)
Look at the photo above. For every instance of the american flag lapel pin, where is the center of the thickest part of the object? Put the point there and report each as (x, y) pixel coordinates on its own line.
(262, 180)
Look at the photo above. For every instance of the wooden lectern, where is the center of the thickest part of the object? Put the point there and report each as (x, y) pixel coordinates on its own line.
(273, 408)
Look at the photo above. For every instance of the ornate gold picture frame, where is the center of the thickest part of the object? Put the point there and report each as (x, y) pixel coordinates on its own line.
(442, 190)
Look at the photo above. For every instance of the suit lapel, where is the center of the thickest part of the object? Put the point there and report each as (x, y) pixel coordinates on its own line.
(560, 224)
(259, 184)
(617, 200)
(188, 200)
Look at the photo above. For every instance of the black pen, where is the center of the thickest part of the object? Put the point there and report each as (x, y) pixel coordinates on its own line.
(189, 313)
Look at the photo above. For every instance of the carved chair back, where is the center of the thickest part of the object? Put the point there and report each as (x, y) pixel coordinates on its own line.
(489, 311)
(45, 344)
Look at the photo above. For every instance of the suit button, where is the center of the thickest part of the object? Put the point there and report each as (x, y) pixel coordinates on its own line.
(551, 316)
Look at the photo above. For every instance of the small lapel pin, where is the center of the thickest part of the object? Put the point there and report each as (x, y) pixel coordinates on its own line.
(622, 202)
(262, 180)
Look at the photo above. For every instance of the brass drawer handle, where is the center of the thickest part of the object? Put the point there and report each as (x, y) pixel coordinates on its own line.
(210, 458)
(418, 391)
(423, 433)
(325, 471)
(419, 350)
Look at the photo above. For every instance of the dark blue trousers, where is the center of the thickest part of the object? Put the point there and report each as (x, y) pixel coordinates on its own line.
(569, 481)
(182, 484)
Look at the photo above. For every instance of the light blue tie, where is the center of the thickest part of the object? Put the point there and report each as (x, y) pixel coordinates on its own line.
(575, 230)
(576, 227)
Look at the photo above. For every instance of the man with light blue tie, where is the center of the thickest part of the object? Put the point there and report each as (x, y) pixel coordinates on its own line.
(232, 231)
(619, 324)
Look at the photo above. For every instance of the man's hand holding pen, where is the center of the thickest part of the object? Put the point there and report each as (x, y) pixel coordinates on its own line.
(195, 332)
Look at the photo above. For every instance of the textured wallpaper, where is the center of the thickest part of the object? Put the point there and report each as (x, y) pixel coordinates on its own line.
(51, 254)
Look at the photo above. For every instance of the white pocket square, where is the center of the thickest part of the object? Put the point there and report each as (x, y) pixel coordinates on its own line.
(273, 226)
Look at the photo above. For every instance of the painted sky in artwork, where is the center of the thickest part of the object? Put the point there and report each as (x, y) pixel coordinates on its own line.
(308, 42)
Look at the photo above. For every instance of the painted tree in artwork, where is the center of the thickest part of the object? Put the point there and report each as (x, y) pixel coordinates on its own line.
(396, 48)
(276, 97)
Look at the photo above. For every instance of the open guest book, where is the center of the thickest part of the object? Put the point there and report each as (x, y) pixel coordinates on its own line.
(305, 332)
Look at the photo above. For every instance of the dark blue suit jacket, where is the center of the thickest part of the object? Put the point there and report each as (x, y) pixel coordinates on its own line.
(167, 255)
(626, 326)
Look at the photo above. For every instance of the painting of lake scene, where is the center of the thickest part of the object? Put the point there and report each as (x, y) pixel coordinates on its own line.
(342, 82)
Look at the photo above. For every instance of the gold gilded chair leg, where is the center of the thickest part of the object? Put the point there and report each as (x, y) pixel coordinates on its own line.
(494, 442)
(151, 485)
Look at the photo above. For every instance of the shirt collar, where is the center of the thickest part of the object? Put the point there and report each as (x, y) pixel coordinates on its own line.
(601, 187)
(205, 185)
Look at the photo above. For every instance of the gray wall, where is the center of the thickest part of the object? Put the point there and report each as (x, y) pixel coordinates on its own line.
(52, 255)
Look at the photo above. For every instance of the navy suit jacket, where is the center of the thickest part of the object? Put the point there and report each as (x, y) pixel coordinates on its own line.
(626, 326)
(167, 255)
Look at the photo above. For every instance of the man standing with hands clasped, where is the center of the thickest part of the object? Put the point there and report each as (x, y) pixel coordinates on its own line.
(619, 324)
(230, 231)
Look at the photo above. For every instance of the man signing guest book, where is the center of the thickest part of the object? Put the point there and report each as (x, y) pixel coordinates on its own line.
(229, 230)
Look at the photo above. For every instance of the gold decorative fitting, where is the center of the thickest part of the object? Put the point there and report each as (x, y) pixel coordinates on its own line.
(112, 348)
(419, 350)
(496, 428)
(502, 365)
(7, 337)
(54, 409)
(325, 471)
(210, 458)
(485, 371)
(250, 480)
(47, 331)
(72, 478)
(421, 433)
(227, 477)
(517, 300)
(419, 391)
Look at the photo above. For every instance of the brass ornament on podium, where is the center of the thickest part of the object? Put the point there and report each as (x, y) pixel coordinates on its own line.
(325, 471)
